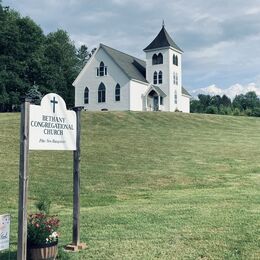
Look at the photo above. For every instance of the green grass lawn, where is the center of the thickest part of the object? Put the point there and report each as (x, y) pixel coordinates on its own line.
(153, 185)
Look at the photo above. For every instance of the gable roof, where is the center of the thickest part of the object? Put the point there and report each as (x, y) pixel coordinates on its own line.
(162, 40)
(185, 92)
(158, 90)
(133, 67)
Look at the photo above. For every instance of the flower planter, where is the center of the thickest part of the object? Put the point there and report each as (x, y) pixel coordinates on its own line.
(47, 251)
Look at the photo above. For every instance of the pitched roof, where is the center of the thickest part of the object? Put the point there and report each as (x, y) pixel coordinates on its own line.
(185, 92)
(159, 91)
(133, 67)
(162, 40)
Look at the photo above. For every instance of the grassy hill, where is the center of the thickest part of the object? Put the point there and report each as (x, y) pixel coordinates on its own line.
(153, 185)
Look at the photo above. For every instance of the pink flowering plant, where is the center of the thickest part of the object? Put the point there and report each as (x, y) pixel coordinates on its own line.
(42, 229)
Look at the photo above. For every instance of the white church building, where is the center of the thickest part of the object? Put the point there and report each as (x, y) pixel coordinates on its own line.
(115, 81)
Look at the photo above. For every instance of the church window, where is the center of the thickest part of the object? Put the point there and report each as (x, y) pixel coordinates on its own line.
(177, 79)
(155, 78)
(175, 97)
(117, 92)
(157, 59)
(160, 59)
(175, 59)
(86, 95)
(102, 69)
(101, 93)
(174, 78)
(154, 59)
(160, 81)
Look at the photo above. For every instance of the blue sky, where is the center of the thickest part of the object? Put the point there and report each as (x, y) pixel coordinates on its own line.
(220, 38)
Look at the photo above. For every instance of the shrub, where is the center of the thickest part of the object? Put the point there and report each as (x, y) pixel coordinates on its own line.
(211, 110)
(236, 112)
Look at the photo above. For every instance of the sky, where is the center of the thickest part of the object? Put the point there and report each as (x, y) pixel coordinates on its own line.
(220, 38)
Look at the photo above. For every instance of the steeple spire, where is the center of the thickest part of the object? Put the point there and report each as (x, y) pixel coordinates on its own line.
(162, 40)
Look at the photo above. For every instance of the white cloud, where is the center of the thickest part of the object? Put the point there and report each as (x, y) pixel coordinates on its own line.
(253, 10)
(231, 91)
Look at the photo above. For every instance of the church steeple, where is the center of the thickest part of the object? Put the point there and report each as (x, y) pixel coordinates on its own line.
(162, 40)
(164, 68)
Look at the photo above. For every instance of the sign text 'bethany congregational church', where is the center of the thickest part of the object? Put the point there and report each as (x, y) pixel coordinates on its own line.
(52, 126)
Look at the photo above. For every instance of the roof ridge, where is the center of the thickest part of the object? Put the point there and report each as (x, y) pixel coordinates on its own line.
(101, 44)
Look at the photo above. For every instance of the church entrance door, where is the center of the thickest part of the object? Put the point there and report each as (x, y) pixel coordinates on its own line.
(155, 103)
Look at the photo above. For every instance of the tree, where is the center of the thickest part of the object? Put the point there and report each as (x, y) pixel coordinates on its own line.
(83, 55)
(195, 106)
(225, 101)
(1, 10)
(20, 44)
(34, 94)
(59, 66)
(251, 100)
(215, 101)
(4, 99)
(239, 102)
(204, 100)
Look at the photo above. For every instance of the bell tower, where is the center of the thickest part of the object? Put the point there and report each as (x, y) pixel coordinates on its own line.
(164, 68)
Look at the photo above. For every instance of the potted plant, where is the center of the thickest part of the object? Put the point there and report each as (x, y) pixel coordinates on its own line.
(42, 235)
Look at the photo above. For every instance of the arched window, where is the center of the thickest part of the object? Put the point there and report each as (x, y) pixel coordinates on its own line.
(175, 97)
(160, 78)
(102, 69)
(155, 59)
(86, 95)
(175, 60)
(101, 93)
(155, 78)
(160, 59)
(117, 92)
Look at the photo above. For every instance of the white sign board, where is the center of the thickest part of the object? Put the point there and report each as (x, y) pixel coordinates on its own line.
(4, 231)
(52, 126)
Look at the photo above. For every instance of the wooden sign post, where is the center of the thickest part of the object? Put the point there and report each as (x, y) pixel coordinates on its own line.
(23, 180)
(49, 126)
(76, 245)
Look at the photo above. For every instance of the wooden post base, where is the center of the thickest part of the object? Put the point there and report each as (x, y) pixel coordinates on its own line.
(76, 248)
